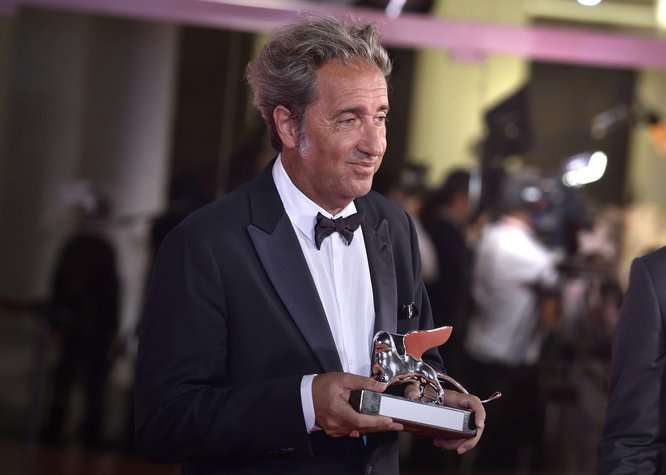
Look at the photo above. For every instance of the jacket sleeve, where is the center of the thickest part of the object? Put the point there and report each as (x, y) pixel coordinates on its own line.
(633, 437)
(186, 406)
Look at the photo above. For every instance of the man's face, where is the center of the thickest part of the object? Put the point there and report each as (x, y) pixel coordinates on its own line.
(343, 134)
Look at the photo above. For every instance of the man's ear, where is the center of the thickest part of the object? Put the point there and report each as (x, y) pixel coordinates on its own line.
(286, 126)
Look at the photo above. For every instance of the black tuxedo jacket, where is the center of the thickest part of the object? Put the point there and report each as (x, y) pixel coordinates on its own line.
(233, 321)
(634, 436)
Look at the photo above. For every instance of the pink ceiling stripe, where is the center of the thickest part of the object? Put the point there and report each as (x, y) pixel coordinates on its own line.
(566, 45)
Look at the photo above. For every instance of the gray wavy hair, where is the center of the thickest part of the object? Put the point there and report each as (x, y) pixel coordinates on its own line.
(284, 72)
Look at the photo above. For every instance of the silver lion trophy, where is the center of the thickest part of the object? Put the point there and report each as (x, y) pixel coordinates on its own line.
(397, 359)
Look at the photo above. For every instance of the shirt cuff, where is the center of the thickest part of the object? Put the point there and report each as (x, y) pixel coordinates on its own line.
(307, 403)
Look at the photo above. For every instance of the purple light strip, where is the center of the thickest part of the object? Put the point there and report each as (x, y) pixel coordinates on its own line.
(565, 45)
(7, 7)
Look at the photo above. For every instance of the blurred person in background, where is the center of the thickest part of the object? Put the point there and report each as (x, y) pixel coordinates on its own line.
(84, 314)
(634, 436)
(409, 191)
(513, 277)
(445, 215)
(575, 360)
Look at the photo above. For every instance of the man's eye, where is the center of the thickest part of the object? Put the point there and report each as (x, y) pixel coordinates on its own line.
(381, 119)
(348, 120)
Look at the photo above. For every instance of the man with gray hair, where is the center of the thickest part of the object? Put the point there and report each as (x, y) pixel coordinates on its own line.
(262, 307)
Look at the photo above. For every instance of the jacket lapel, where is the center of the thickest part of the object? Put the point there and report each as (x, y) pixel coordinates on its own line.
(280, 253)
(382, 270)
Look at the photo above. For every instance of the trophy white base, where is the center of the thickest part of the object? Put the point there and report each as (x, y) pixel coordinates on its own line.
(419, 417)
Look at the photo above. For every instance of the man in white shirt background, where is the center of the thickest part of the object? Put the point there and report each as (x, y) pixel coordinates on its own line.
(513, 275)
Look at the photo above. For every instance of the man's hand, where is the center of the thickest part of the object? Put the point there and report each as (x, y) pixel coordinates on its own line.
(413, 392)
(453, 399)
(334, 414)
(463, 401)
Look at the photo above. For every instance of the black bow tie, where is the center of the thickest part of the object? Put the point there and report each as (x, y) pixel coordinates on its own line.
(345, 226)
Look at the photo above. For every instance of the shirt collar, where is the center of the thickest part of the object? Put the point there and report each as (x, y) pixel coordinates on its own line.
(302, 211)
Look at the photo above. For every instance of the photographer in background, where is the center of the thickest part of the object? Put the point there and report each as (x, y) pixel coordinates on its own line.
(513, 281)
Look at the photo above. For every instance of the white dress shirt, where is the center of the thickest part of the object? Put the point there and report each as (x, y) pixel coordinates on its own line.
(342, 277)
(509, 262)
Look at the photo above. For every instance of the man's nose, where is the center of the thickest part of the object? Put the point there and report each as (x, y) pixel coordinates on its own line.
(373, 140)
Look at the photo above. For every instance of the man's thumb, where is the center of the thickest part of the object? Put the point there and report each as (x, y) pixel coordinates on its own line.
(374, 385)
(360, 382)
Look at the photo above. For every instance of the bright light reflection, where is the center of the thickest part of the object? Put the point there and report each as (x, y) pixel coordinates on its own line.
(589, 173)
(394, 8)
(589, 3)
(661, 13)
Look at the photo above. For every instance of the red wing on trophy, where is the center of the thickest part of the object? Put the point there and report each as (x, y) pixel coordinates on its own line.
(418, 342)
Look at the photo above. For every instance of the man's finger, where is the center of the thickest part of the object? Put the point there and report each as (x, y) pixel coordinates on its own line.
(430, 394)
(412, 391)
(469, 443)
(365, 423)
(464, 401)
(467, 401)
(459, 445)
(353, 381)
(448, 444)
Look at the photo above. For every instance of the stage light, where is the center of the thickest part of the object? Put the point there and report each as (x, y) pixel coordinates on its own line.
(589, 3)
(584, 169)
